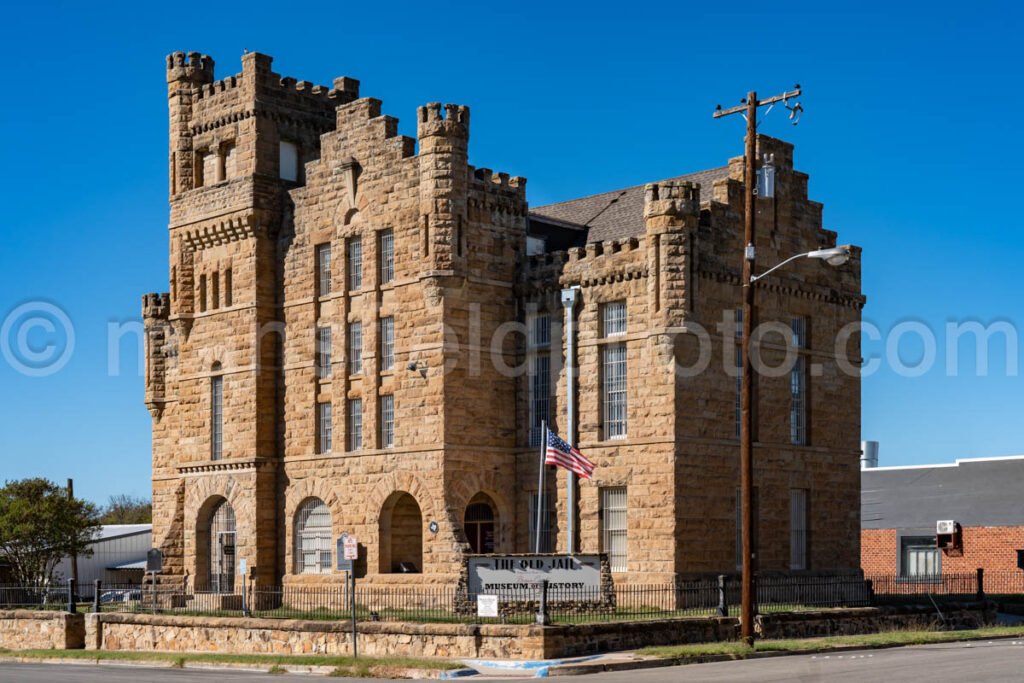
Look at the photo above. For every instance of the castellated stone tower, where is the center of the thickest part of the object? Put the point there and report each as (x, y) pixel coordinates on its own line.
(315, 258)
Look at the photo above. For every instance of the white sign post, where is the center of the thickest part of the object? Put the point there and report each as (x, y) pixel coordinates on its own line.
(487, 605)
(351, 548)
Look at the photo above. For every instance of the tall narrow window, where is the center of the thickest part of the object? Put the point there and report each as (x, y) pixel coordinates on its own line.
(613, 390)
(216, 414)
(199, 163)
(289, 161)
(798, 529)
(387, 421)
(355, 424)
(324, 428)
(229, 157)
(387, 256)
(613, 526)
(387, 343)
(798, 387)
(202, 293)
(355, 264)
(228, 295)
(313, 538)
(539, 375)
(323, 352)
(216, 291)
(323, 269)
(355, 348)
(546, 545)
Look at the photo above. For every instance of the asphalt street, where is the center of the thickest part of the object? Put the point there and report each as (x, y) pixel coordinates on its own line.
(1000, 660)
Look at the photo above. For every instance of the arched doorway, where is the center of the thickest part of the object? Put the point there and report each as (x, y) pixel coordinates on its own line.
(222, 548)
(401, 535)
(479, 524)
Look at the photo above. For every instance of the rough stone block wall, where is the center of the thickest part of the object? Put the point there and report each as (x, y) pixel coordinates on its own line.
(36, 630)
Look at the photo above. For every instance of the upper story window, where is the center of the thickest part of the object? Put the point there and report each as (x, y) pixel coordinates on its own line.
(539, 374)
(355, 424)
(216, 414)
(355, 264)
(387, 421)
(323, 352)
(323, 269)
(387, 256)
(613, 318)
(202, 293)
(324, 428)
(798, 386)
(229, 297)
(387, 343)
(289, 161)
(355, 348)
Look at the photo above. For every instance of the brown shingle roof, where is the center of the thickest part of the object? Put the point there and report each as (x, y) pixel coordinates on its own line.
(620, 213)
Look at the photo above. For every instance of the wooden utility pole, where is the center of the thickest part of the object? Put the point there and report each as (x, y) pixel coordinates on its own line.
(749, 108)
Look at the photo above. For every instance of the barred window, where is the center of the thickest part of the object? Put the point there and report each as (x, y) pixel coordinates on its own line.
(614, 527)
(546, 545)
(613, 390)
(387, 421)
(798, 387)
(355, 348)
(798, 528)
(387, 343)
(324, 428)
(614, 318)
(323, 269)
(538, 374)
(355, 264)
(313, 538)
(355, 424)
(323, 352)
(387, 256)
(216, 415)
(540, 395)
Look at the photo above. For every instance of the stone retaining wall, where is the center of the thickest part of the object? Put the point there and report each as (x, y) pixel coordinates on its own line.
(873, 620)
(41, 630)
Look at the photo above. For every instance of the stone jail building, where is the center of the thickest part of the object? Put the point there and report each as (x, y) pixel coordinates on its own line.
(364, 332)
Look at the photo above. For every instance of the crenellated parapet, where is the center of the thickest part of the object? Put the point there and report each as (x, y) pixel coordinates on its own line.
(453, 124)
(189, 68)
(156, 306)
(671, 216)
(670, 204)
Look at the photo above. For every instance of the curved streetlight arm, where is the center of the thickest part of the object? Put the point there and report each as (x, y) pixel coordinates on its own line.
(755, 278)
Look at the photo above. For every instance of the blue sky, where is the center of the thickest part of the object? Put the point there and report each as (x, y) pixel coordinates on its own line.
(909, 138)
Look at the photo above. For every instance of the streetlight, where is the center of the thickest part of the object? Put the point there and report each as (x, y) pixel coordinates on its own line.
(834, 256)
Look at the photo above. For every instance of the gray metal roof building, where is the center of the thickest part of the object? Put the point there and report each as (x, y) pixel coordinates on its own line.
(977, 492)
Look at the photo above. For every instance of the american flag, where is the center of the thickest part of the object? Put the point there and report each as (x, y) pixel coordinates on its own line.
(560, 453)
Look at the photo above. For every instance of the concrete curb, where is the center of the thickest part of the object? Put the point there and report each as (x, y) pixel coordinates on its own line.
(599, 667)
(311, 669)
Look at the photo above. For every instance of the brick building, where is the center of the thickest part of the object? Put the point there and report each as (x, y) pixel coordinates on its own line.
(901, 507)
(363, 334)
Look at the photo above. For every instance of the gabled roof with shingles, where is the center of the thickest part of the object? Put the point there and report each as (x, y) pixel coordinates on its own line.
(618, 214)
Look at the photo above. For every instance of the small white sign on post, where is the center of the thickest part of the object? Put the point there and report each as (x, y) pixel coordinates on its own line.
(351, 548)
(242, 567)
(487, 605)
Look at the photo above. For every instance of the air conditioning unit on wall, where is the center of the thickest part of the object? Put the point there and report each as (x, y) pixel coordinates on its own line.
(945, 526)
(949, 537)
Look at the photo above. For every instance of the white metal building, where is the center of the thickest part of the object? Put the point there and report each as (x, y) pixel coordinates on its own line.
(119, 555)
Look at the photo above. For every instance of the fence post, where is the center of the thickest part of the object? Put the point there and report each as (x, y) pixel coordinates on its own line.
(97, 587)
(245, 595)
(871, 590)
(72, 607)
(723, 601)
(981, 584)
(543, 618)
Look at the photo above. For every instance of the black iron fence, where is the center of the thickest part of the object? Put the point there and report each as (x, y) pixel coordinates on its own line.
(440, 604)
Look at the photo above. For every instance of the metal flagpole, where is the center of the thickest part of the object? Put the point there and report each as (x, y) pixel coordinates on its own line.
(569, 302)
(540, 482)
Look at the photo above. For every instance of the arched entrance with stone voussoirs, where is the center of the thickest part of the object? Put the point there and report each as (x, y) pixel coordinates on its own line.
(216, 544)
(480, 524)
(401, 535)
